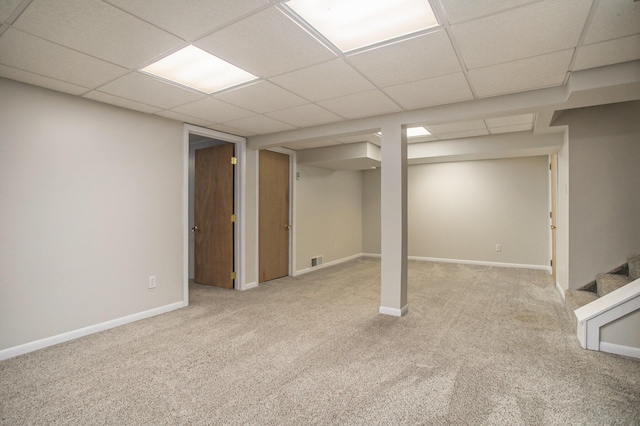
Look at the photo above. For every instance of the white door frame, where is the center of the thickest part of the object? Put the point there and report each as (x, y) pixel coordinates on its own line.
(238, 199)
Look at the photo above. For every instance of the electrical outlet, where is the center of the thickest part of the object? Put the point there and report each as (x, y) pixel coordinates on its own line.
(152, 281)
(498, 247)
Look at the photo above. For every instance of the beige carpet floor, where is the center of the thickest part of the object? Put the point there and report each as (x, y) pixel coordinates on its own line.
(480, 345)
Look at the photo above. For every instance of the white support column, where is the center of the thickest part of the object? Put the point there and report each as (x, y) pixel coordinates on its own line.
(393, 292)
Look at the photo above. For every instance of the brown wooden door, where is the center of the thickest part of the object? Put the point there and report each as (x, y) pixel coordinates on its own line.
(213, 255)
(273, 213)
(554, 200)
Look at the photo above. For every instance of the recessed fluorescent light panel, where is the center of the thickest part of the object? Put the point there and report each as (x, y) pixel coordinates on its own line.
(413, 132)
(353, 24)
(197, 69)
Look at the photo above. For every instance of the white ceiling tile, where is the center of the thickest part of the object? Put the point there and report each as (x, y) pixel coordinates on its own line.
(510, 120)
(188, 18)
(213, 110)
(29, 53)
(532, 30)
(362, 104)
(38, 80)
(461, 126)
(266, 44)
(305, 116)
(148, 90)
(465, 10)
(613, 19)
(259, 124)
(518, 76)
(231, 130)
(261, 97)
(433, 91)
(331, 79)
(418, 58)
(121, 102)
(98, 29)
(608, 53)
(7, 7)
(464, 134)
(185, 118)
(511, 129)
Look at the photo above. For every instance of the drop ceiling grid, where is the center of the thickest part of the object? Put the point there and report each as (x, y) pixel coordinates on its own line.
(97, 29)
(189, 19)
(261, 97)
(343, 78)
(213, 110)
(33, 54)
(531, 30)
(266, 44)
(305, 116)
(504, 47)
(7, 7)
(418, 58)
(614, 19)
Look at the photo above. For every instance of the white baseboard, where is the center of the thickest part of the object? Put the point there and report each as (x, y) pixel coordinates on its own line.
(81, 332)
(394, 311)
(371, 255)
(248, 286)
(482, 262)
(612, 348)
(324, 265)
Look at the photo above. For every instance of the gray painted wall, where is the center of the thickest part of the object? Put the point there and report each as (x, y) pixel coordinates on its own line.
(604, 198)
(328, 215)
(91, 207)
(461, 210)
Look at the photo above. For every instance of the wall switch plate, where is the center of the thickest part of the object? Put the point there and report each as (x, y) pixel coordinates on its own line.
(152, 281)
(498, 247)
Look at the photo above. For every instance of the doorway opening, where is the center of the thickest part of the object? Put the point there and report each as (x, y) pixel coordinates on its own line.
(213, 247)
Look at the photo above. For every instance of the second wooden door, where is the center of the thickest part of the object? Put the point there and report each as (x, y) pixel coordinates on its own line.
(274, 226)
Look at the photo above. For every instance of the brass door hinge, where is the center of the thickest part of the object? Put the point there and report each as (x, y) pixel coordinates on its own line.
(233, 275)
(234, 160)
(233, 218)
(551, 262)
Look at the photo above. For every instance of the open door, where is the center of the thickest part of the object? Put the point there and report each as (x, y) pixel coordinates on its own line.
(274, 225)
(213, 214)
(554, 200)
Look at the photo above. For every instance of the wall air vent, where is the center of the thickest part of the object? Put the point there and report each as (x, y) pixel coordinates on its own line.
(316, 261)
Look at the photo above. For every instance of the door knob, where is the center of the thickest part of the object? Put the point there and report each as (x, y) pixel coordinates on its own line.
(287, 227)
(195, 228)
(553, 227)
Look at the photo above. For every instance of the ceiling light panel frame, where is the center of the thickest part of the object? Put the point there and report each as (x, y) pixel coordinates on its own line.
(352, 25)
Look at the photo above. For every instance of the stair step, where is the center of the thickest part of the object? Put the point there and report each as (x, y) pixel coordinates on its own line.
(607, 283)
(634, 267)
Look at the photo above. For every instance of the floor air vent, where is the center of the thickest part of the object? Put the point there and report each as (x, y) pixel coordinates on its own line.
(316, 261)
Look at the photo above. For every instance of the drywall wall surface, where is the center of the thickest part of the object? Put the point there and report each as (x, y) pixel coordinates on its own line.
(91, 208)
(624, 331)
(251, 218)
(328, 215)
(371, 243)
(604, 200)
(462, 210)
(562, 217)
